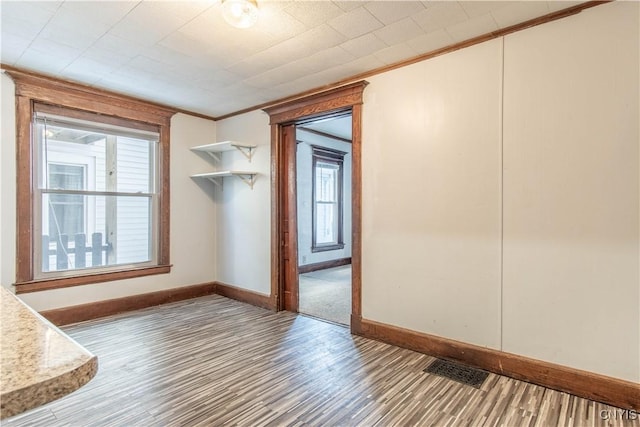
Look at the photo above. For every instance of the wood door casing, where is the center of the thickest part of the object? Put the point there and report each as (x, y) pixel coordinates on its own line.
(289, 222)
(284, 273)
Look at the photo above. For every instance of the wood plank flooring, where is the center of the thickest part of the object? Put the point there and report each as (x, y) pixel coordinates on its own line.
(212, 361)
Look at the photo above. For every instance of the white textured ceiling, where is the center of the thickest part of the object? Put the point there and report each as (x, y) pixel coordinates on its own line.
(340, 126)
(183, 54)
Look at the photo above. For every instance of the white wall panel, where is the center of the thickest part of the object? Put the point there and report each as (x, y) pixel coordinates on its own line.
(571, 185)
(244, 215)
(431, 196)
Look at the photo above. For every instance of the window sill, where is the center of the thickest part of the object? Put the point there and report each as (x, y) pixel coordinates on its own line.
(65, 282)
(327, 248)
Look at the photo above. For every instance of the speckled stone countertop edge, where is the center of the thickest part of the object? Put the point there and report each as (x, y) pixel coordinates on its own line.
(19, 323)
(21, 400)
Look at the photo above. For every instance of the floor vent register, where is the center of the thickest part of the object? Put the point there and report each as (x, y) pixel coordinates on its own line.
(457, 372)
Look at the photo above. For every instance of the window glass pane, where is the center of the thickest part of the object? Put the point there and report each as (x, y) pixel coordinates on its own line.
(134, 225)
(117, 231)
(115, 163)
(134, 165)
(66, 211)
(326, 223)
(66, 177)
(326, 181)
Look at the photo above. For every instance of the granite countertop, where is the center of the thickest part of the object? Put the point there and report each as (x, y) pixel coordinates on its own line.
(39, 363)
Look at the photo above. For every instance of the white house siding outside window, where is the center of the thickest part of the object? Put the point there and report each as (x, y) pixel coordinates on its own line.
(96, 196)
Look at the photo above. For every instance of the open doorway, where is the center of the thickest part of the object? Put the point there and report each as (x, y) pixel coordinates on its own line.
(284, 118)
(323, 201)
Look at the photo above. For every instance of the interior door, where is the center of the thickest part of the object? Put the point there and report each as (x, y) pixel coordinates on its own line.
(289, 224)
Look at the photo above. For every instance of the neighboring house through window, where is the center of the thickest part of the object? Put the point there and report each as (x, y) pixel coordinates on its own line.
(98, 211)
(327, 199)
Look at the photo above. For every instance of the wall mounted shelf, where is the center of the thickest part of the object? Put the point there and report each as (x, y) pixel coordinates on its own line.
(248, 178)
(218, 147)
(215, 150)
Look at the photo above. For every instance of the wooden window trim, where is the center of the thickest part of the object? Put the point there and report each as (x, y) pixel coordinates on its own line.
(336, 157)
(56, 95)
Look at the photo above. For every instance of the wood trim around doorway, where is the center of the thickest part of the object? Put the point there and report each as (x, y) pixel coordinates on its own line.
(348, 97)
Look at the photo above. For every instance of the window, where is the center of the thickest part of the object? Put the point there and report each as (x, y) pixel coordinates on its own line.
(92, 185)
(327, 199)
(103, 220)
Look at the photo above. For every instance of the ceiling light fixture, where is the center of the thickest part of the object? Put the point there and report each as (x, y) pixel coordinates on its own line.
(240, 13)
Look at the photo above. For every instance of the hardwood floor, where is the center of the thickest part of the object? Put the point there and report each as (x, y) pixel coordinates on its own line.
(213, 361)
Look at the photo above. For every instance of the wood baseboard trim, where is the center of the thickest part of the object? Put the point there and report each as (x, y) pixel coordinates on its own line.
(245, 295)
(94, 310)
(612, 391)
(324, 265)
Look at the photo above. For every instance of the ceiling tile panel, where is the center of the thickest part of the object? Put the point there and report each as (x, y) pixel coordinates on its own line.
(363, 45)
(116, 47)
(324, 59)
(63, 52)
(184, 44)
(312, 13)
(431, 41)
(516, 12)
(440, 15)
(556, 5)
(37, 13)
(469, 29)
(478, 8)
(348, 5)
(395, 53)
(215, 79)
(276, 25)
(361, 65)
(104, 12)
(279, 75)
(22, 25)
(150, 22)
(355, 23)
(389, 12)
(316, 39)
(146, 64)
(43, 61)
(399, 32)
(12, 47)
(88, 70)
(80, 37)
(291, 88)
(20, 29)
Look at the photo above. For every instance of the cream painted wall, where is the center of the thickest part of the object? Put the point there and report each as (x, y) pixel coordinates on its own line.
(7, 181)
(571, 194)
(192, 218)
(431, 196)
(7, 108)
(571, 183)
(244, 215)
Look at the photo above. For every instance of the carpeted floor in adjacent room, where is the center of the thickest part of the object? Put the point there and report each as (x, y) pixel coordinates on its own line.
(326, 294)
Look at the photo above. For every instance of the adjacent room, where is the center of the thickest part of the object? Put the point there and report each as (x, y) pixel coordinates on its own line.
(325, 213)
(323, 193)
